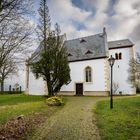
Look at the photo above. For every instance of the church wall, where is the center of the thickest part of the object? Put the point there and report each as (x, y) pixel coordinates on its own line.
(99, 76)
(120, 70)
(36, 86)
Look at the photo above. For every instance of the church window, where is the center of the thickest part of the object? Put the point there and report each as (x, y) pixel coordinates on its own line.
(120, 55)
(88, 74)
(116, 56)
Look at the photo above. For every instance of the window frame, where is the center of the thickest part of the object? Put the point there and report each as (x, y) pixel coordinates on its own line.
(116, 56)
(88, 74)
(120, 56)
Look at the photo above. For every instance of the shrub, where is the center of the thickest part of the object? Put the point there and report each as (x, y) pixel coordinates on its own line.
(55, 101)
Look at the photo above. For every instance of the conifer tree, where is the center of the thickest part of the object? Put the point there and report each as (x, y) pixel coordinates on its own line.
(44, 26)
(52, 63)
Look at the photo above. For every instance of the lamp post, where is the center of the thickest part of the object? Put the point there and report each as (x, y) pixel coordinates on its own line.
(111, 61)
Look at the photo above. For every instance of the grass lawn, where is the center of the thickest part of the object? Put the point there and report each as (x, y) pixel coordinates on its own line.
(20, 104)
(120, 123)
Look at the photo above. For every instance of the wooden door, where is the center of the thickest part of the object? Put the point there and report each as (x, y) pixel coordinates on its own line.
(79, 89)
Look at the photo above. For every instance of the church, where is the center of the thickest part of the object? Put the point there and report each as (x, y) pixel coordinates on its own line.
(89, 67)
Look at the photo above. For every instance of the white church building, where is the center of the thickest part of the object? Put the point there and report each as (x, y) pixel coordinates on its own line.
(89, 67)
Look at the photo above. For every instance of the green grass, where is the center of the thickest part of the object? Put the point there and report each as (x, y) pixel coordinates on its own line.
(18, 99)
(20, 104)
(120, 123)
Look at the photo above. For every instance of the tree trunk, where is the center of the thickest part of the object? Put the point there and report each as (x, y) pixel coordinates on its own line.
(2, 86)
(50, 91)
(46, 88)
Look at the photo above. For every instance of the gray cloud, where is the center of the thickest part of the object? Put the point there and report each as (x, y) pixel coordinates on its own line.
(121, 17)
(137, 7)
(135, 34)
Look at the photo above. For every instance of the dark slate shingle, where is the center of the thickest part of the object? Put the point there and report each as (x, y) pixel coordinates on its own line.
(90, 47)
(119, 43)
(78, 49)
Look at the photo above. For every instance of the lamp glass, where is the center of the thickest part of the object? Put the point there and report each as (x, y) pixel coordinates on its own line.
(111, 61)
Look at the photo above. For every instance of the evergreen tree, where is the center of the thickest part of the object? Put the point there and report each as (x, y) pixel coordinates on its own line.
(44, 26)
(52, 64)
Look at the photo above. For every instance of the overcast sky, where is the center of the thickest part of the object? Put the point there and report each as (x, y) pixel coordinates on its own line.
(79, 18)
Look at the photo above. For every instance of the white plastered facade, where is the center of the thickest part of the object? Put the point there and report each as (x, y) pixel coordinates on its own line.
(100, 76)
(120, 70)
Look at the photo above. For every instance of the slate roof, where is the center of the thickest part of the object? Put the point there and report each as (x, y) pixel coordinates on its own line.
(86, 48)
(35, 56)
(90, 47)
(119, 44)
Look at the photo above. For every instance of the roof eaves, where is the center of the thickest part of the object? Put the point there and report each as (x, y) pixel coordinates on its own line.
(119, 47)
(100, 57)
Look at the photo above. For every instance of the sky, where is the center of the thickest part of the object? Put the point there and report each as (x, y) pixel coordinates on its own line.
(79, 18)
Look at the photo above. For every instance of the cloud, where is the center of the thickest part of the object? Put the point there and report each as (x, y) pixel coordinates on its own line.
(99, 17)
(136, 32)
(120, 17)
(135, 35)
(67, 15)
(126, 19)
(126, 9)
(99, 5)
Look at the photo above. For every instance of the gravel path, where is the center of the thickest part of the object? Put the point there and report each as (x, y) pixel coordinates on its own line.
(73, 122)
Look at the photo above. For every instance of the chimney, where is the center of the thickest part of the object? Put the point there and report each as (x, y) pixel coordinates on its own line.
(104, 30)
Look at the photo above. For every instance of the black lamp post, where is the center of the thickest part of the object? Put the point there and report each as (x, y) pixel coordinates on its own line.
(111, 63)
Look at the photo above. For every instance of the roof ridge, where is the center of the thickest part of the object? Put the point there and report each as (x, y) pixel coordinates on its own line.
(119, 40)
(83, 37)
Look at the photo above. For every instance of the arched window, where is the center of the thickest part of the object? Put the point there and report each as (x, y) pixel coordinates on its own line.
(88, 75)
(116, 56)
(120, 55)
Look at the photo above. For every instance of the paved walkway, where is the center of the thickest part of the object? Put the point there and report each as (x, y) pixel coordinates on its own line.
(73, 122)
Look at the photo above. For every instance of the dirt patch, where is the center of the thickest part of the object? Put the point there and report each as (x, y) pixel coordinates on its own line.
(19, 127)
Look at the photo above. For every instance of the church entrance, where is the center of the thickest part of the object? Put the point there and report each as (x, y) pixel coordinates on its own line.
(79, 88)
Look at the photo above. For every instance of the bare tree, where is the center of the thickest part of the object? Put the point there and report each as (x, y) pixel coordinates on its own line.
(15, 35)
(14, 44)
(134, 71)
(9, 67)
(11, 9)
(115, 87)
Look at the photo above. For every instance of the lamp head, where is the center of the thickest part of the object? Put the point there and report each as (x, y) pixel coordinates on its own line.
(111, 61)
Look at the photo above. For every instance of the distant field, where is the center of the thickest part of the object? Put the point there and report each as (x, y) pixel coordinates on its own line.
(120, 123)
